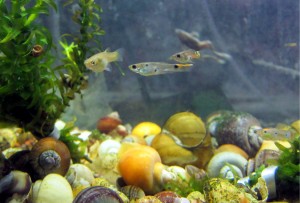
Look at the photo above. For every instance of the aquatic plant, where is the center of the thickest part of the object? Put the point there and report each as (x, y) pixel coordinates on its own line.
(33, 94)
(288, 172)
(185, 187)
(75, 144)
(253, 178)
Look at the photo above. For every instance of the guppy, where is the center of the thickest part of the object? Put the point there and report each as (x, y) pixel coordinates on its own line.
(186, 56)
(158, 68)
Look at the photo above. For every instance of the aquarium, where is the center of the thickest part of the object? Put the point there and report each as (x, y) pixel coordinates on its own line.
(149, 101)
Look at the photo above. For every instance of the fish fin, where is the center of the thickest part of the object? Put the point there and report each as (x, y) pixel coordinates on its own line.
(195, 34)
(107, 50)
(108, 67)
(120, 52)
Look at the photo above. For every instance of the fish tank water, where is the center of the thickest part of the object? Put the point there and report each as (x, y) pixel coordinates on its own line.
(261, 77)
(168, 66)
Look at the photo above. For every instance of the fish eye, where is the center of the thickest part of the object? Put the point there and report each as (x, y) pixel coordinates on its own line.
(133, 66)
(176, 66)
(146, 64)
(178, 56)
(93, 62)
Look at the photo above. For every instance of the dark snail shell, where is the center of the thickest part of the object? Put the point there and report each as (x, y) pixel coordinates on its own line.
(49, 155)
(14, 183)
(230, 127)
(5, 166)
(97, 194)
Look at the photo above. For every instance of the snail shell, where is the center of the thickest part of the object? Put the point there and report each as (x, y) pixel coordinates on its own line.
(188, 128)
(16, 182)
(263, 157)
(37, 50)
(5, 166)
(108, 123)
(221, 190)
(79, 174)
(188, 131)
(148, 199)
(196, 197)
(49, 155)
(229, 127)
(195, 172)
(170, 152)
(97, 194)
(53, 188)
(220, 160)
(132, 192)
(167, 196)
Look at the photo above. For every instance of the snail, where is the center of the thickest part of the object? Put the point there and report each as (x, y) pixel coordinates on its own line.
(15, 186)
(188, 128)
(97, 194)
(106, 159)
(37, 50)
(224, 162)
(168, 196)
(196, 197)
(140, 165)
(104, 183)
(221, 190)
(132, 192)
(146, 128)
(188, 132)
(148, 199)
(238, 128)
(49, 155)
(232, 161)
(109, 122)
(79, 174)
(53, 188)
(266, 155)
(5, 166)
(170, 152)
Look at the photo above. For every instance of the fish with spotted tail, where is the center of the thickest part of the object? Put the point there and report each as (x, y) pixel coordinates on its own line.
(186, 56)
(158, 68)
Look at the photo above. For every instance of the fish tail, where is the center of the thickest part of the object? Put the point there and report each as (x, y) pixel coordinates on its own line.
(184, 65)
(120, 54)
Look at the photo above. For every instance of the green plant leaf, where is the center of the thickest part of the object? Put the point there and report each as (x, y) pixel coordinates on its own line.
(10, 35)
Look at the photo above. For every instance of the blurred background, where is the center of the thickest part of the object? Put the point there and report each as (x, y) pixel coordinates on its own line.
(262, 78)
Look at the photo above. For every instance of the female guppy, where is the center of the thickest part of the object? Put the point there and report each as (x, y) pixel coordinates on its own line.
(101, 61)
(158, 68)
